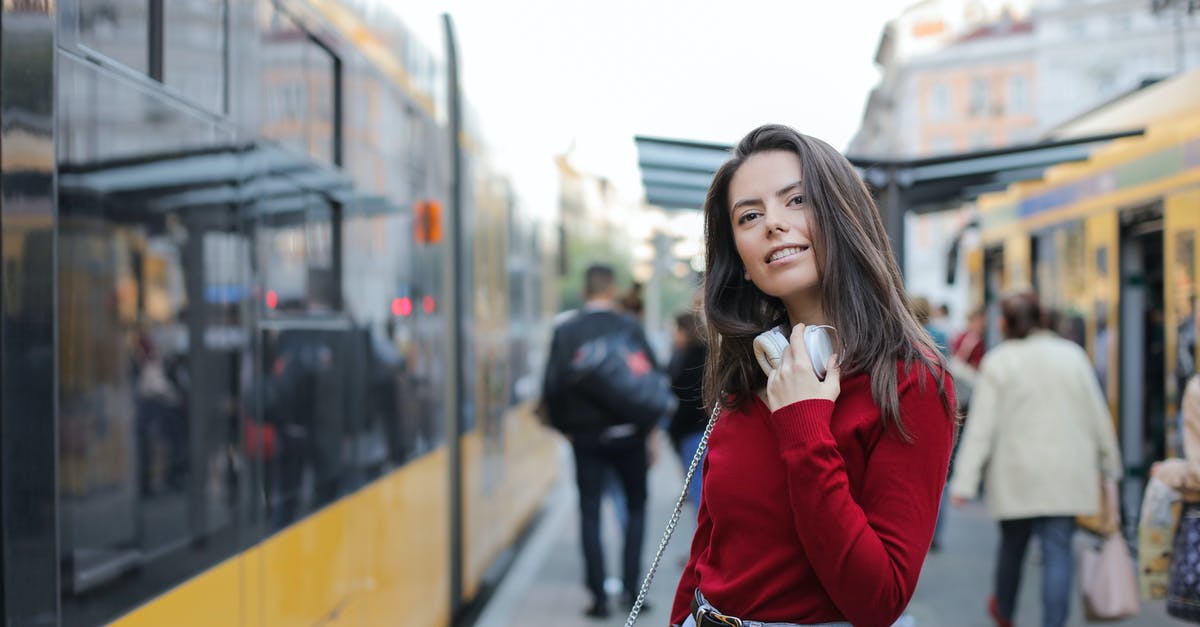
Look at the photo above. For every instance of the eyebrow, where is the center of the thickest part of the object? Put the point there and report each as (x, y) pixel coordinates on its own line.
(754, 201)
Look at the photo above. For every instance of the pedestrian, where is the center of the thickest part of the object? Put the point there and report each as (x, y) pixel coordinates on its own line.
(687, 379)
(1183, 587)
(920, 306)
(1039, 425)
(969, 345)
(820, 495)
(602, 443)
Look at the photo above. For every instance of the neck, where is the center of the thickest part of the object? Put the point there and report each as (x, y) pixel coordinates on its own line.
(807, 309)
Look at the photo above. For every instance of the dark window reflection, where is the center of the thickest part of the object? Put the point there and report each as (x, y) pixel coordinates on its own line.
(152, 350)
(118, 30)
(312, 398)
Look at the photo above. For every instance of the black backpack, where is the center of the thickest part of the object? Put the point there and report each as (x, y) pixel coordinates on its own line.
(614, 373)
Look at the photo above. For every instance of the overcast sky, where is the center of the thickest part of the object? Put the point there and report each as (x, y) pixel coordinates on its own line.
(545, 73)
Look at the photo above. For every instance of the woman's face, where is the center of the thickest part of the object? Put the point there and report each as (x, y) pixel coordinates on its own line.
(771, 229)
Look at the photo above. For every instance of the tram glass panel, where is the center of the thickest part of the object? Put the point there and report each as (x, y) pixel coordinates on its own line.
(194, 51)
(379, 296)
(152, 347)
(313, 375)
(118, 30)
(298, 76)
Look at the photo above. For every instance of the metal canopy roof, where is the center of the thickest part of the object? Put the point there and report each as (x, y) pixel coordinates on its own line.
(676, 173)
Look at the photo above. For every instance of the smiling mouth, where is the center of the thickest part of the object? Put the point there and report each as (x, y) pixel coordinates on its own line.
(785, 252)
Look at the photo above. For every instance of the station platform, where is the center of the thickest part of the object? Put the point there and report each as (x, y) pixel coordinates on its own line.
(544, 586)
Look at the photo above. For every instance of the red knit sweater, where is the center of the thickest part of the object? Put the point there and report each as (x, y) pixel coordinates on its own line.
(816, 513)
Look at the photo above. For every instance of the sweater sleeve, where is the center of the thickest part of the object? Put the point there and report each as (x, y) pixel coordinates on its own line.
(690, 580)
(867, 552)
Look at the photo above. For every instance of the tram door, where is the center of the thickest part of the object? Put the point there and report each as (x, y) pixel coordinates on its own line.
(1142, 347)
(1181, 268)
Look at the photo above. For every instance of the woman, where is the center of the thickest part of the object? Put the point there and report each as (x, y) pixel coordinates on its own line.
(687, 380)
(1041, 428)
(1183, 594)
(820, 496)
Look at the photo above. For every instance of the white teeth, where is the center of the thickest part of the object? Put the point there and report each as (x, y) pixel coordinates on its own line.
(784, 252)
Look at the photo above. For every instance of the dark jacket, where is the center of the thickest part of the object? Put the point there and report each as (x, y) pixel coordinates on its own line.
(687, 379)
(568, 410)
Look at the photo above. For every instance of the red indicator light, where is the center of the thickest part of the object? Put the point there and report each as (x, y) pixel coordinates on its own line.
(272, 299)
(401, 306)
(428, 304)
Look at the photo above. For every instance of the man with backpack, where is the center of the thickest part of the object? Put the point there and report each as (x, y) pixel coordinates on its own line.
(587, 398)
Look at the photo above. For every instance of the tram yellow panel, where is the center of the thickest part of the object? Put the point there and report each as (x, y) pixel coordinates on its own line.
(406, 533)
(213, 598)
(307, 570)
(503, 487)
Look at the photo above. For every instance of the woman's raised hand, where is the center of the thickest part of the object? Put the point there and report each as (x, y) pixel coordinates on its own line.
(795, 380)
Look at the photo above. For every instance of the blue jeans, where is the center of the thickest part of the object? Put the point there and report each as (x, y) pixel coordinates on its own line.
(1057, 565)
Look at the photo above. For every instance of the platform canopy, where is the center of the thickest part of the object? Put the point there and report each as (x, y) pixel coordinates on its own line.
(676, 173)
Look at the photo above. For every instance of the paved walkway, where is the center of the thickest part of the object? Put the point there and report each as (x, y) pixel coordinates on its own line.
(545, 585)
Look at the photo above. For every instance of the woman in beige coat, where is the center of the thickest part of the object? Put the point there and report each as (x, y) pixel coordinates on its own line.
(1039, 424)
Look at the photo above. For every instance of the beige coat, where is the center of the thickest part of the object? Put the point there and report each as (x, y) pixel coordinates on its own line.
(1040, 426)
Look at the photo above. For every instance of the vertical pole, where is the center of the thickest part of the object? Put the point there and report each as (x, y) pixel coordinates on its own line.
(454, 314)
(28, 315)
(155, 49)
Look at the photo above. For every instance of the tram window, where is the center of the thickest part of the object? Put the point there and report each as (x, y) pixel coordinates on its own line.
(299, 87)
(118, 30)
(153, 355)
(194, 41)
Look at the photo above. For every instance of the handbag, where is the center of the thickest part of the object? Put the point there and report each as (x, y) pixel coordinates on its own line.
(1106, 571)
(1156, 538)
(1183, 587)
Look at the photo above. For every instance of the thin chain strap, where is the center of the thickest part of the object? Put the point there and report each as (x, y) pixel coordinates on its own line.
(662, 546)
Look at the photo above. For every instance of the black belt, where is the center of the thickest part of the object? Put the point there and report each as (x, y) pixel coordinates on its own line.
(706, 616)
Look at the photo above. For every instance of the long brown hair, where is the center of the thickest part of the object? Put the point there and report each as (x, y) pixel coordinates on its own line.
(861, 288)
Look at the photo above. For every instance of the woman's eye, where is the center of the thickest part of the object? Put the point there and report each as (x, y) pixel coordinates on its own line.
(796, 200)
(747, 216)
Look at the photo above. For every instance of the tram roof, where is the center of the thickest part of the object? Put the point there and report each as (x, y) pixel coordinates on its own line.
(676, 172)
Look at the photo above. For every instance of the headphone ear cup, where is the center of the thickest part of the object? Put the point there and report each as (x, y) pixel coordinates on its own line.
(768, 349)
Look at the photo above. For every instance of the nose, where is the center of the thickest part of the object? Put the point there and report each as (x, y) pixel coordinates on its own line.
(774, 221)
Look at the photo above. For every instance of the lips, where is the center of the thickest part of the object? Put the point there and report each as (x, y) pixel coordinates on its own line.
(784, 252)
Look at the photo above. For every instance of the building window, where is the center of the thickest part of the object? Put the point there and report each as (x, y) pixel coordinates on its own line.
(118, 30)
(1018, 93)
(979, 96)
(939, 102)
(194, 51)
(980, 140)
(941, 144)
(181, 44)
(301, 84)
